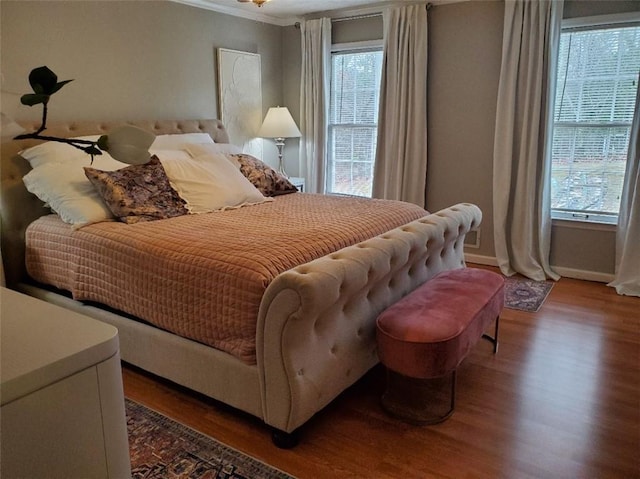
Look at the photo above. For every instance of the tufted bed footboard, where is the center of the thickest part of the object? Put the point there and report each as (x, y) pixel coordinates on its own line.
(316, 326)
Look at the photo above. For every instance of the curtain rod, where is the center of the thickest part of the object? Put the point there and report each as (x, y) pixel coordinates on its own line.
(356, 17)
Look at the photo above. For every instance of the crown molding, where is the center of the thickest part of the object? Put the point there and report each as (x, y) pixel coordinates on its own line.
(283, 22)
(237, 12)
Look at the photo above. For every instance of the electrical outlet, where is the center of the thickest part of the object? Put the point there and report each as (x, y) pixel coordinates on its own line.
(472, 239)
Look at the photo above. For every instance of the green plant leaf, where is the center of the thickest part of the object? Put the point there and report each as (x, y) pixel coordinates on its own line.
(31, 99)
(44, 81)
(103, 142)
(93, 150)
(59, 85)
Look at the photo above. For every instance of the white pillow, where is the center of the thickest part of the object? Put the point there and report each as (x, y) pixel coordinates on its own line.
(171, 154)
(196, 150)
(210, 183)
(67, 191)
(179, 141)
(55, 152)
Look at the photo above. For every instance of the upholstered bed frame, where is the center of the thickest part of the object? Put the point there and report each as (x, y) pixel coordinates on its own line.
(316, 324)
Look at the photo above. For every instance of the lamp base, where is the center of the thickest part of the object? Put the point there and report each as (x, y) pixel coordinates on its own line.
(280, 146)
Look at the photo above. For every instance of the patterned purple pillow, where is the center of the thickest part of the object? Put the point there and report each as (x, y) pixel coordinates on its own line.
(262, 176)
(138, 192)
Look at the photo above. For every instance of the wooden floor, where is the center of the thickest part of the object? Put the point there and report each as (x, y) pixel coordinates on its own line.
(561, 399)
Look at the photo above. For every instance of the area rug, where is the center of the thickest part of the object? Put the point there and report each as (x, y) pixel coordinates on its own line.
(162, 448)
(525, 294)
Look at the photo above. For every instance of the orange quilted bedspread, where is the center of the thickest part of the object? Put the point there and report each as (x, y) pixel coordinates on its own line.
(203, 276)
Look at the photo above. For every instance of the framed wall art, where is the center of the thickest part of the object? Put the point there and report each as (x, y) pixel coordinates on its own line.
(240, 98)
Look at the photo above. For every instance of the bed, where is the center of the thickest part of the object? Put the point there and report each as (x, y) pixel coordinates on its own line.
(314, 331)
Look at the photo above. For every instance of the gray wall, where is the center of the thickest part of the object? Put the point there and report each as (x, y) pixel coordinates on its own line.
(588, 8)
(157, 60)
(358, 30)
(291, 67)
(129, 59)
(465, 43)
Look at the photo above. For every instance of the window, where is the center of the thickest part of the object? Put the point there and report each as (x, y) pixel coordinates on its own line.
(595, 98)
(353, 121)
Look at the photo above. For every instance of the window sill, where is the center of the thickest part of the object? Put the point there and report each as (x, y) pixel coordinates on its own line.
(592, 217)
(583, 224)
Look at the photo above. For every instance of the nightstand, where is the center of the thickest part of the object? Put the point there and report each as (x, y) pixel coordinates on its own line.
(298, 182)
(62, 411)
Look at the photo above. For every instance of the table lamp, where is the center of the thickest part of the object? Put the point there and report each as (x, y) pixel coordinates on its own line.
(278, 124)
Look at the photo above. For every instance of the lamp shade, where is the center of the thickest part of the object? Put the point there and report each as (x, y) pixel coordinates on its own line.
(278, 123)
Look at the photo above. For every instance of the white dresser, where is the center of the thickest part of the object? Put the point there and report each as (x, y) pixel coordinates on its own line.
(62, 413)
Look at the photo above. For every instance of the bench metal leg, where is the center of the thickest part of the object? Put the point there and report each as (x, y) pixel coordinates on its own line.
(494, 339)
(453, 395)
(419, 401)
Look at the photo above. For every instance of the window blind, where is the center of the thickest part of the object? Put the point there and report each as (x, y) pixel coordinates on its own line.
(353, 116)
(595, 98)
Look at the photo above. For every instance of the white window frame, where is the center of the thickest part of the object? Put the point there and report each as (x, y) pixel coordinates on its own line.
(588, 23)
(345, 48)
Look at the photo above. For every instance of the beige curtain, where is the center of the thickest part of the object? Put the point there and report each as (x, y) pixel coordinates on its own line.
(627, 280)
(314, 101)
(522, 143)
(400, 170)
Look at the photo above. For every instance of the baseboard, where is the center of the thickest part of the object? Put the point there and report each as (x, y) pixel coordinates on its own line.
(583, 274)
(479, 259)
(562, 271)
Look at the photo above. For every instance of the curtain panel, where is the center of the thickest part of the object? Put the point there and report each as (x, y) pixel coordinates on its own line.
(522, 143)
(400, 170)
(627, 279)
(314, 101)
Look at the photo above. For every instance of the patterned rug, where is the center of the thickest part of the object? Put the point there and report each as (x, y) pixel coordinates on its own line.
(162, 448)
(525, 294)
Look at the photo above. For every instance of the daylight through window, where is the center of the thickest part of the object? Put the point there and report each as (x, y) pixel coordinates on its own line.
(353, 121)
(595, 98)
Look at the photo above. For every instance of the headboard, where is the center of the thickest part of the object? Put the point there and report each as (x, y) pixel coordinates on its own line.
(18, 207)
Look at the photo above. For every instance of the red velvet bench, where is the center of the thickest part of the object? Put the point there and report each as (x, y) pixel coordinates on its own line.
(429, 332)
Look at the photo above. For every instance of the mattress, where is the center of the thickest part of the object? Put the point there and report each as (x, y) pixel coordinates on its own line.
(203, 276)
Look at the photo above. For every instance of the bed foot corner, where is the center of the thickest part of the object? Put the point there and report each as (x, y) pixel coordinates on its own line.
(285, 440)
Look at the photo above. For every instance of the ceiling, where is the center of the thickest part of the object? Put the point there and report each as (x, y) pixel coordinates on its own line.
(287, 12)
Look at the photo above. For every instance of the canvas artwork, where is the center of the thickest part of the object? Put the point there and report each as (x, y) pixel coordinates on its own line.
(240, 98)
